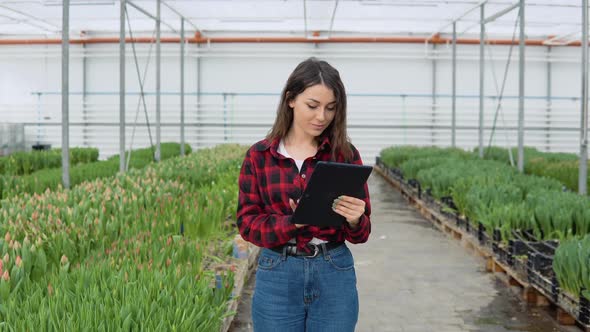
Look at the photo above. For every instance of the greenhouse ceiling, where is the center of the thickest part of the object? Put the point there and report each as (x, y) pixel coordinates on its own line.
(552, 21)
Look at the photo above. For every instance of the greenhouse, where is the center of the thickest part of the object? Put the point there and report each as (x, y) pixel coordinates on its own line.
(155, 157)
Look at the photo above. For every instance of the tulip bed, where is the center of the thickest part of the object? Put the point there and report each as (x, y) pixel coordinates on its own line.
(563, 167)
(24, 163)
(139, 251)
(493, 193)
(51, 178)
(572, 266)
(498, 196)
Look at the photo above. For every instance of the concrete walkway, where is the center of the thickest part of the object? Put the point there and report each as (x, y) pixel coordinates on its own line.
(412, 278)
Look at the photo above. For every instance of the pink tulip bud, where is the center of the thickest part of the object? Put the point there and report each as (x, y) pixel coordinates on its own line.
(64, 260)
(19, 261)
(7, 237)
(1, 266)
(6, 276)
(49, 289)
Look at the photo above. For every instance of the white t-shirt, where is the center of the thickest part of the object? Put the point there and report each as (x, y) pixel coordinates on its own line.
(283, 151)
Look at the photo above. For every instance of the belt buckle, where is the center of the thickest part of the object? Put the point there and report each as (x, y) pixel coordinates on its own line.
(316, 251)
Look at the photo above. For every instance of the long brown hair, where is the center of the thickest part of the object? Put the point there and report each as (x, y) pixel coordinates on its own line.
(309, 73)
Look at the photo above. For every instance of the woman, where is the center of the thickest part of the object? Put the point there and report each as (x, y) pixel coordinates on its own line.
(305, 279)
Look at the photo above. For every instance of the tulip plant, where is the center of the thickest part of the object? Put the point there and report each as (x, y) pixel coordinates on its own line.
(572, 266)
(39, 181)
(24, 163)
(495, 194)
(140, 250)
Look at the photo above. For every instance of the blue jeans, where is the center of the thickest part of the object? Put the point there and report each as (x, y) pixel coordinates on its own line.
(297, 294)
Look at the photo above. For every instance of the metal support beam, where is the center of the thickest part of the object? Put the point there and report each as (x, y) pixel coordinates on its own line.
(548, 110)
(182, 41)
(458, 18)
(146, 13)
(158, 77)
(65, 93)
(454, 87)
(491, 18)
(562, 39)
(502, 13)
(198, 108)
(482, 33)
(332, 19)
(84, 96)
(583, 175)
(521, 50)
(305, 17)
(180, 15)
(32, 20)
(122, 87)
(141, 10)
(433, 121)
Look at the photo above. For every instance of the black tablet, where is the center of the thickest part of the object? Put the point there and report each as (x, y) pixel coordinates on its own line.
(328, 181)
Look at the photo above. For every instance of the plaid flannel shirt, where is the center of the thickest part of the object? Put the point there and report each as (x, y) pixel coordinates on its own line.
(267, 181)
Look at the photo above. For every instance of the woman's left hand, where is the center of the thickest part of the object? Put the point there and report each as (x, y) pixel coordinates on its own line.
(350, 208)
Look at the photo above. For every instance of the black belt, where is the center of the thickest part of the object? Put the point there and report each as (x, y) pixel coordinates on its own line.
(313, 249)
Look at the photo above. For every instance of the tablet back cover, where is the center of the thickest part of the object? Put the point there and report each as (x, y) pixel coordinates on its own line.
(328, 181)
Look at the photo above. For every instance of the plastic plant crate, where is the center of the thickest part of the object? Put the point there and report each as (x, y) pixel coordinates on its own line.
(459, 221)
(501, 251)
(415, 185)
(540, 274)
(428, 199)
(482, 236)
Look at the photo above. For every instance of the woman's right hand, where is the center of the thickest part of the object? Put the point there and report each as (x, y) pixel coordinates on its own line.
(293, 207)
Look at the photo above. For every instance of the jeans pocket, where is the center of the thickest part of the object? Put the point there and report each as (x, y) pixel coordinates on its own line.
(342, 261)
(268, 262)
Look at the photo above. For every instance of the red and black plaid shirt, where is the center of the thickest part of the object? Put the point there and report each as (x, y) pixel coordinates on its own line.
(267, 181)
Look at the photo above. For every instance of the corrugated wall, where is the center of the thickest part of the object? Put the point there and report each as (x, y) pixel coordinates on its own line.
(390, 91)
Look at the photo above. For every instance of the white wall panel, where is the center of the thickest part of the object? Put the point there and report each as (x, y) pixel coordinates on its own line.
(389, 88)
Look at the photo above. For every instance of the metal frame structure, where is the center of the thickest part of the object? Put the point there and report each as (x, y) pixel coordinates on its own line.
(122, 36)
(122, 85)
(65, 94)
(582, 178)
(583, 172)
(158, 20)
(560, 39)
(482, 24)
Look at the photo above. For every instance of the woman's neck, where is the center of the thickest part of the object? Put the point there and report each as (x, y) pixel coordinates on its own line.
(299, 139)
(300, 147)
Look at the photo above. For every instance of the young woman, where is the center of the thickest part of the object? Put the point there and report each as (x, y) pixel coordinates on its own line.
(305, 279)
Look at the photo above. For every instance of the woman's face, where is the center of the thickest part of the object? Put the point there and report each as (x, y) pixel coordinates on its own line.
(313, 110)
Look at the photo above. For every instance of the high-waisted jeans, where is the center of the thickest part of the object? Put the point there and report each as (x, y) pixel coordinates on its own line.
(297, 294)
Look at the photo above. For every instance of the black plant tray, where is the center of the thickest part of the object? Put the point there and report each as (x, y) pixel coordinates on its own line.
(448, 201)
(459, 221)
(482, 235)
(501, 253)
(429, 199)
(415, 187)
(540, 274)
